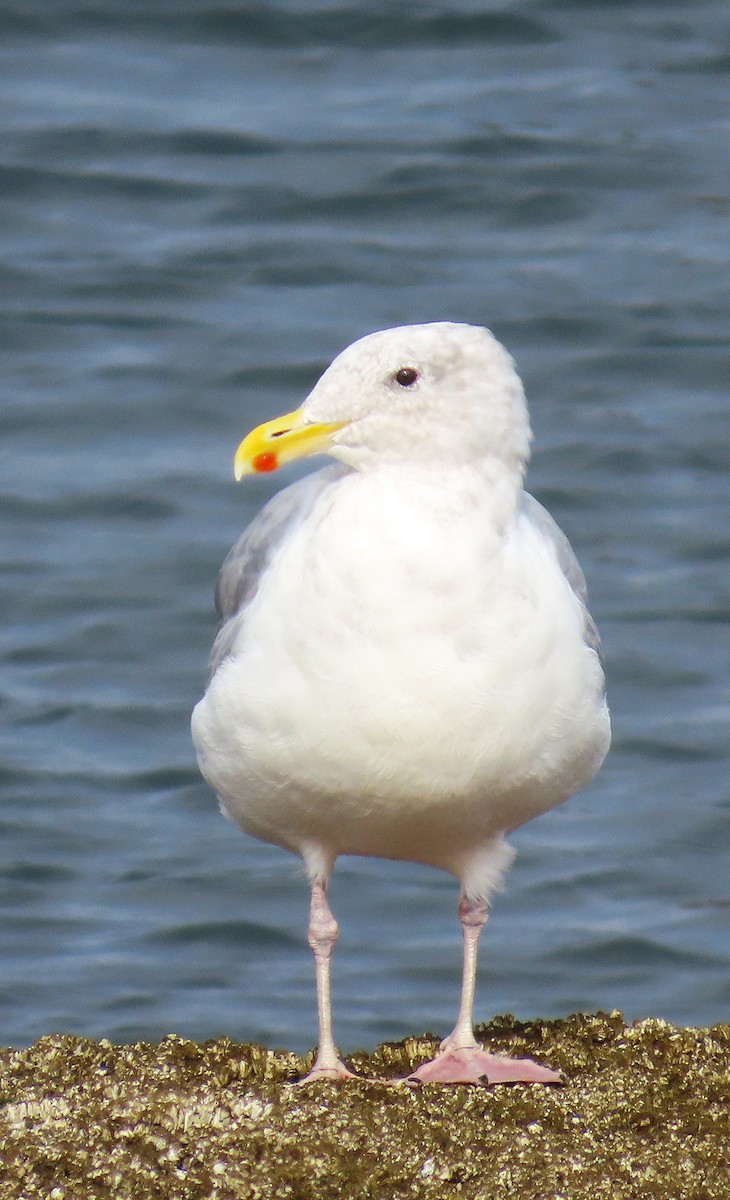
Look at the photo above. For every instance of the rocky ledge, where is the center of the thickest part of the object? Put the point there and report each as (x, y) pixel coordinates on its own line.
(644, 1112)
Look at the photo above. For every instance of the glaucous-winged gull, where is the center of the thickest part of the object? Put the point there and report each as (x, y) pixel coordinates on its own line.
(406, 666)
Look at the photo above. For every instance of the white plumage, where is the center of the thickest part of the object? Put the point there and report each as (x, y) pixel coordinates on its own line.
(406, 666)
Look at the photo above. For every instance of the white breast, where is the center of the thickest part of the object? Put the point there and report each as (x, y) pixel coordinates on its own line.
(409, 680)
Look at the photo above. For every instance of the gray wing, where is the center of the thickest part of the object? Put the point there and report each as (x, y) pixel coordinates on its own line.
(568, 563)
(244, 566)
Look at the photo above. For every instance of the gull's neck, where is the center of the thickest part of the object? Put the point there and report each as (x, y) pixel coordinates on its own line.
(448, 491)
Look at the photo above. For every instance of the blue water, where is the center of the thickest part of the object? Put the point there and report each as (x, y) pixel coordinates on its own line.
(201, 205)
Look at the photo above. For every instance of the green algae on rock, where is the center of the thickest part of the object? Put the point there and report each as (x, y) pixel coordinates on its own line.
(644, 1113)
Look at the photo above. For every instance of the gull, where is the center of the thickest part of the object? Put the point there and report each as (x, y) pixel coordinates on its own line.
(406, 667)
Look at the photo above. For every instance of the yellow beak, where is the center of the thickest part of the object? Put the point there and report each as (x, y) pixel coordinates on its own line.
(280, 441)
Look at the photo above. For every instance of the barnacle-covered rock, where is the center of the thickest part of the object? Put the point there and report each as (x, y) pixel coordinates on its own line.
(643, 1113)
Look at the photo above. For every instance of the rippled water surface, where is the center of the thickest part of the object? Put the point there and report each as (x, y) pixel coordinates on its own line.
(202, 204)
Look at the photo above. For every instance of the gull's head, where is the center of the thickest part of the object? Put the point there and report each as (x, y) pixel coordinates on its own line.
(437, 393)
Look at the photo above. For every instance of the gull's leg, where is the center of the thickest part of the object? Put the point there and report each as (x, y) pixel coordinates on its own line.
(473, 917)
(460, 1058)
(323, 932)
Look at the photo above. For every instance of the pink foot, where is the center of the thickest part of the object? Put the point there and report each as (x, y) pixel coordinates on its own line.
(471, 1064)
(336, 1070)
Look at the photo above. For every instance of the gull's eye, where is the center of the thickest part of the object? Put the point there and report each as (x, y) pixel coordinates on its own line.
(406, 377)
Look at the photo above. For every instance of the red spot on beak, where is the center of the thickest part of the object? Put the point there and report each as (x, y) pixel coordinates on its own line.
(265, 462)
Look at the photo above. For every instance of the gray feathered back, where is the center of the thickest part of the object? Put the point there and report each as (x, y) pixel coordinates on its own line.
(540, 518)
